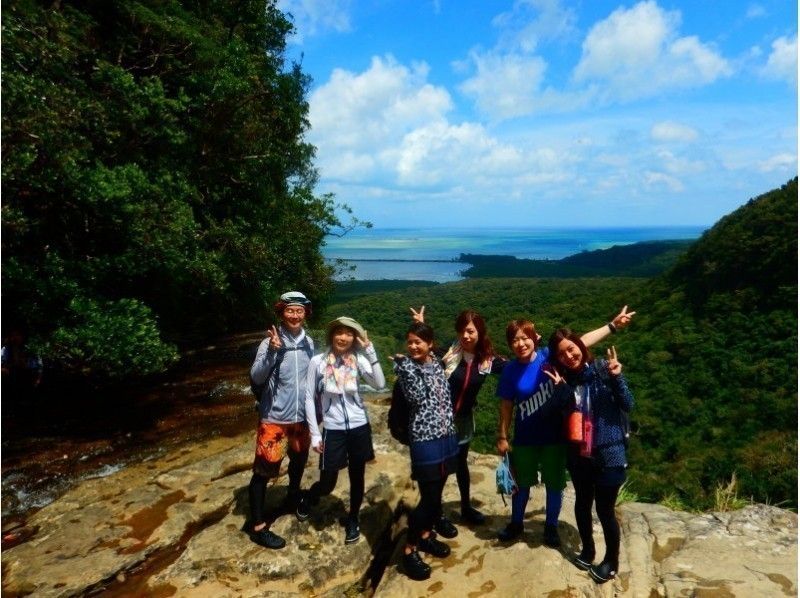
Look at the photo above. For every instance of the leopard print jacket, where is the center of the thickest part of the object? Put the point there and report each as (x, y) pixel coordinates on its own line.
(428, 396)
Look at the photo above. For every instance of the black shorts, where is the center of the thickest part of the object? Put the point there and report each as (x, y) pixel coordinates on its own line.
(341, 447)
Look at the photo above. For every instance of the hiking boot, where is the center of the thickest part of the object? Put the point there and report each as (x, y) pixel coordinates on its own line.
(603, 572)
(351, 531)
(551, 538)
(415, 567)
(267, 539)
(433, 546)
(584, 560)
(303, 511)
(472, 515)
(510, 532)
(445, 528)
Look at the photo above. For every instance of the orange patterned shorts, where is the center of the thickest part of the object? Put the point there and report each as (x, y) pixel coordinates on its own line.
(273, 441)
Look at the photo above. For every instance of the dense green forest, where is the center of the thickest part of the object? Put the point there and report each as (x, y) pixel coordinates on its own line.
(156, 183)
(646, 258)
(711, 355)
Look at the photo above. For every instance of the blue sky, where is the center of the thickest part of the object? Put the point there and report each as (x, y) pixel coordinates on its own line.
(546, 112)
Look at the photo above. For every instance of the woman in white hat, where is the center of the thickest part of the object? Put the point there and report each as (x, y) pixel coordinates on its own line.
(332, 398)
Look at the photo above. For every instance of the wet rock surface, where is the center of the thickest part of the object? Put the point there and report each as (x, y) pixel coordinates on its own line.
(172, 525)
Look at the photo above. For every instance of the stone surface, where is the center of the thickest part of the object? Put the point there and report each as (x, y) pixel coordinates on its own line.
(173, 526)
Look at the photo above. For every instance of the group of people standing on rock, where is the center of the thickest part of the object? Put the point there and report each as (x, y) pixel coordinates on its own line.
(569, 413)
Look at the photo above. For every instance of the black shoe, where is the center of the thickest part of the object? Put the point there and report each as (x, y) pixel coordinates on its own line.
(415, 567)
(303, 510)
(603, 572)
(510, 532)
(445, 528)
(351, 531)
(584, 560)
(433, 546)
(267, 539)
(551, 538)
(472, 515)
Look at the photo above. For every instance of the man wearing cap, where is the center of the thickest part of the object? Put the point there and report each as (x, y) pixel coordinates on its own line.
(281, 364)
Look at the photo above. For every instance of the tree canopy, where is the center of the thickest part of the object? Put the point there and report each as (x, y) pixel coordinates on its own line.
(156, 183)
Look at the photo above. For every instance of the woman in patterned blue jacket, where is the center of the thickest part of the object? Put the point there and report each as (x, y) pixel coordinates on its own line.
(433, 444)
(596, 399)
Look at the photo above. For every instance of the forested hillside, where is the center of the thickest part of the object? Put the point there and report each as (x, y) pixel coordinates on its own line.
(156, 183)
(646, 258)
(713, 360)
(711, 354)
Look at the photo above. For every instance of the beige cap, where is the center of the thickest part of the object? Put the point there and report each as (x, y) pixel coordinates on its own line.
(350, 323)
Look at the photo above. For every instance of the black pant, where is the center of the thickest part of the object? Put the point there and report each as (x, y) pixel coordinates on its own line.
(258, 486)
(588, 491)
(462, 475)
(327, 482)
(427, 511)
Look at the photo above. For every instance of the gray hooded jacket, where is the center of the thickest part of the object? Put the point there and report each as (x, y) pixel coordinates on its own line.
(283, 399)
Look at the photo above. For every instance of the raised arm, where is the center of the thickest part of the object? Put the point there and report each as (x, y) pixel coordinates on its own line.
(265, 356)
(622, 319)
(369, 366)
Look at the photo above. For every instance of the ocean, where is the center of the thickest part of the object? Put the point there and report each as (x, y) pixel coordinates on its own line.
(428, 253)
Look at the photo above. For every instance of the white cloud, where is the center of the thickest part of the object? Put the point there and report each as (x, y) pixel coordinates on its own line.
(530, 22)
(505, 86)
(669, 131)
(782, 61)
(659, 180)
(780, 162)
(313, 17)
(755, 11)
(357, 112)
(637, 53)
(678, 165)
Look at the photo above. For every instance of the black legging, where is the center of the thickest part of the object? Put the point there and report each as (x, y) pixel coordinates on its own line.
(327, 482)
(605, 498)
(427, 511)
(258, 486)
(462, 475)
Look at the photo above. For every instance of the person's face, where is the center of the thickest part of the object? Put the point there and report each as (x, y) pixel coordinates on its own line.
(523, 346)
(293, 317)
(342, 339)
(569, 355)
(469, 338)
(418, 349)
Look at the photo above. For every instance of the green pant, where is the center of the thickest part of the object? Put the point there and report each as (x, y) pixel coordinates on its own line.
(550, 459)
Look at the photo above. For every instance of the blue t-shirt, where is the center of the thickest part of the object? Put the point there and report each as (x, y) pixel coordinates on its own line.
(536, 422)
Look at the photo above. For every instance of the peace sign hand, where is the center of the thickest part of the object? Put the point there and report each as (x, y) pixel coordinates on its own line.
(418, 316)
(623, 318)
(555, 376)
(274, 338)
(363, 342)
(614, 366)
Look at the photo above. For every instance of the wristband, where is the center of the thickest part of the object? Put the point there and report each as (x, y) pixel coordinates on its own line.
(612, 328)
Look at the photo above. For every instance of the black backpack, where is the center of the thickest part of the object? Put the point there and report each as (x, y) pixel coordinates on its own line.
(399, 415)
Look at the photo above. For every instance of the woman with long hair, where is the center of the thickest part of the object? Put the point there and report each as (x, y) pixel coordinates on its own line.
(468, 361)
(596, 398)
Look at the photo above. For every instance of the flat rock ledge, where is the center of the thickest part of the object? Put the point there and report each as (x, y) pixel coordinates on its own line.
(173, 526)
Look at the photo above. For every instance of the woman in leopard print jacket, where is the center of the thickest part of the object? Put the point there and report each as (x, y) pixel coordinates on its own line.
(433, 446)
